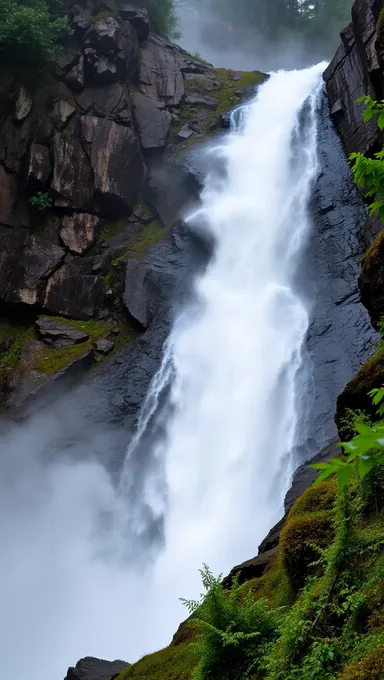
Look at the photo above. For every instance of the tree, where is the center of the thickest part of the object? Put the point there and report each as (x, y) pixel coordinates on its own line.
(30, 31)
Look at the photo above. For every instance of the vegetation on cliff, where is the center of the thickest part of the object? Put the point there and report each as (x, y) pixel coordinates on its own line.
(29, 34)
(315, 614)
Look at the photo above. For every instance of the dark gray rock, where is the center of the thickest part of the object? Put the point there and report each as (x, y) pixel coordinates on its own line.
(153, 121)
(58, 333)
(75, 77)
(184, 133)
(160, 72)
(137, 17)
(78, 231)
(253, 568)
(23, 104)
(74, 291)
(142, 291)
(90, 668)
(39, 167)
(102, 70)
(107, 35)
(332, 263)
(355, 72)
(104, 346)
(117, 165)
(111, 101)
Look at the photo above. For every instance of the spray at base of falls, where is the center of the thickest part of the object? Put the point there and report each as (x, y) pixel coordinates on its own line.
(216, 474)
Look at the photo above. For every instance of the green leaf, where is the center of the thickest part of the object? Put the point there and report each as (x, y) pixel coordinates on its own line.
(344, 476)
(365, 465)
(323, 475)
(380, 120)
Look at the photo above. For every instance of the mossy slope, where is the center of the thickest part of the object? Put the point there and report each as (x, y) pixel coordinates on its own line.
(331, 608)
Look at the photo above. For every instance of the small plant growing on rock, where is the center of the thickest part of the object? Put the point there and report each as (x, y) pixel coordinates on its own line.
(233, 629)
(369, 172)
(42, 201)
(363, 452)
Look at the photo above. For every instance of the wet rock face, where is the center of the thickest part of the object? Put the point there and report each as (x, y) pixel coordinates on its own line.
(340, 336)
(357, 70)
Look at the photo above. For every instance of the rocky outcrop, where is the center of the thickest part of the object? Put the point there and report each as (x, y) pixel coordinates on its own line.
(371, 280)
(90, 668)
(99, 152)
(59, 334)
(355, 71)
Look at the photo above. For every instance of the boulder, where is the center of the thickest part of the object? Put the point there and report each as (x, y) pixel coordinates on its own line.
(26, 261)
(104, 346)
(59, 334)
(104, 35)
(110, 101)
(78, 231)
(137, 17)
(117, 165)
(74, 291)
(184, 133)
(90, 668)
(23, 104)
(39, 167)
(108, 36)
(75, 77)
(101, 70)
(160, 73)
(153, 121)
(253, 568)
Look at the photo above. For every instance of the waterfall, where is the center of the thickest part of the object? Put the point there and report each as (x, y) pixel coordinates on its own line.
(220, 425)
(227, 454)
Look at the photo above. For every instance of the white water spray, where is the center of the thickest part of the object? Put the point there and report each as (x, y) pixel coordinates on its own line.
(223, 462)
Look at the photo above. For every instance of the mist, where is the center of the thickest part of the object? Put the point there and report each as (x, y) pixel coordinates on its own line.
(241, 46)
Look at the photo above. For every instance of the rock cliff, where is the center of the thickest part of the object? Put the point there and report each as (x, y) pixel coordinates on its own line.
(92, 173)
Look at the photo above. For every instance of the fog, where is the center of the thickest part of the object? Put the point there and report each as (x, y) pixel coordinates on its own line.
(241, 47)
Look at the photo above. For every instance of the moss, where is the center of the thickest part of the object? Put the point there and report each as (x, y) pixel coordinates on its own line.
(371, 280)
(370, 667)
(228, 86)
(102, 15)
(355, 395)
(111, 229)
(20, 335)
(172, 663)
(302, 540)
(315, 499)
(225, 94)
(51, 360)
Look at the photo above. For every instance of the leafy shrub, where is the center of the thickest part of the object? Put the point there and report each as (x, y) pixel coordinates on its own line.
(369, 668)
(29, 34)
(42, 201)
(233, 631)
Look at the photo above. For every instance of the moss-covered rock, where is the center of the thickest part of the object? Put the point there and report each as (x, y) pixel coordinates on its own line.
(371, 280)
(355, 395)
(171, 663)
(371, 667)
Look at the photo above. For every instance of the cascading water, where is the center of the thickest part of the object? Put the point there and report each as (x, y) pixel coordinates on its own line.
(235, 353)
(226, 402)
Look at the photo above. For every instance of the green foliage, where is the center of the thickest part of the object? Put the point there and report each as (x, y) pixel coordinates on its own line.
(234, 630)
(29, 34)
(362, 453)
(42, 201)
(369, 172)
